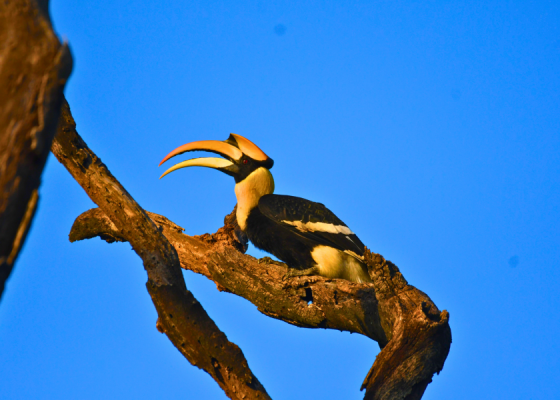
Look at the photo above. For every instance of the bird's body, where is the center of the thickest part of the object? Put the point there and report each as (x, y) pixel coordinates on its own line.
(303, 251)
(305, 235)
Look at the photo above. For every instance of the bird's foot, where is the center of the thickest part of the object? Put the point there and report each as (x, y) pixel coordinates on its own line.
(301, 272)
(268, 260)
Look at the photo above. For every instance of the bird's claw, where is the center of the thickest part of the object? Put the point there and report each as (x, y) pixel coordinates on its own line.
(289, 274)
(301, 272)
(268, 260)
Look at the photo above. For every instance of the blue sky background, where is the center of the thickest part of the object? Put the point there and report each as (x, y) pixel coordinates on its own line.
(430, 128)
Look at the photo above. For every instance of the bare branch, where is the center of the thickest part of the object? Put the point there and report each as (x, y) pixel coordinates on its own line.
(34, 67)
(311, 302)
(181, 317)
(413, 334)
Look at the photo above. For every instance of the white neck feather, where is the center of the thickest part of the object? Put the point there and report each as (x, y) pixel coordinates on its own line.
(250, 190)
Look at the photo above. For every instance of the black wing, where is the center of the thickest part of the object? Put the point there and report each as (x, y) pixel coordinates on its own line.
(311, 220)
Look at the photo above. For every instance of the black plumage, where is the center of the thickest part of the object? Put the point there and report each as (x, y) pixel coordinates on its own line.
(282, 208)
(279, 240)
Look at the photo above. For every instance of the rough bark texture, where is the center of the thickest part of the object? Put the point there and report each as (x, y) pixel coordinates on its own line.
(414, 335)
(311, 302)
(181, 317)
(34, 67)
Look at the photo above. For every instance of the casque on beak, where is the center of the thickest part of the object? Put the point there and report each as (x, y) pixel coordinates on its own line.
(236, 149)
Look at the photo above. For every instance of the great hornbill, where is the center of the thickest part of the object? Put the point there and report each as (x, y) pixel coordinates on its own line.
(307, 236)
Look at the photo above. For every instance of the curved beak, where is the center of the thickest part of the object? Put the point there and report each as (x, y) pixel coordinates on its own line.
(213, 146)
(211, 162)
(233, 149)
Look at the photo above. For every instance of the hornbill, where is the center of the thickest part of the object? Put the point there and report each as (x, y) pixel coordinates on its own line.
(307, 236)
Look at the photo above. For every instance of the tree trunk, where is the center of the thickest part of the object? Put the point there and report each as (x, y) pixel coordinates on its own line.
(34, 67)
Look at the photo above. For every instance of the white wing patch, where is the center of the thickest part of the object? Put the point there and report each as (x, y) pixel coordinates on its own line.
(319, 227)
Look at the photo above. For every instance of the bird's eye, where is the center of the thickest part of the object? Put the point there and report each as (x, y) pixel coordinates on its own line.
(244, 161)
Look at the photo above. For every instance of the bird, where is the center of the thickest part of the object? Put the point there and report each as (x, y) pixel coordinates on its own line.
(308, 237)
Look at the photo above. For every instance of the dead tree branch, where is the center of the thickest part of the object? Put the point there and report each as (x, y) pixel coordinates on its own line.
(181, 317)
(311, 302)
(414, 335)
(34, 67)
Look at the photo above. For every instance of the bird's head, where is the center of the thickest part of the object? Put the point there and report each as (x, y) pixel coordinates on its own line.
(241, 157)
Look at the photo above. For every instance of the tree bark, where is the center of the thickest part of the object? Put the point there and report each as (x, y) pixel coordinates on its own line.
(413, 334)
(34, 67)
(181, 317)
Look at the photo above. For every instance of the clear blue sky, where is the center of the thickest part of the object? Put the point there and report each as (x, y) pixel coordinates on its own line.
(431, 128)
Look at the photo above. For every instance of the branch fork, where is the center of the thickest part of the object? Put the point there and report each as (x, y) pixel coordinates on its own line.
(412, 332)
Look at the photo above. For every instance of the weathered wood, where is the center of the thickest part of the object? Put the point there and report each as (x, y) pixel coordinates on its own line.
(181, 317)
(414, 335)
(34, 67)
(311, 302)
